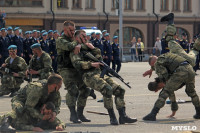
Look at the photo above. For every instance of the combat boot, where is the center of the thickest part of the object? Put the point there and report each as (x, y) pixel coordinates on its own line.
(113, 119)
(6, 127)
(92, 94)
(81, 116)
(73, 115)
(152, 115)
(197, 115)
(123, 118)
(168, 18)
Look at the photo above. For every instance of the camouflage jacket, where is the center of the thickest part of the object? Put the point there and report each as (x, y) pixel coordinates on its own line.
(82, 63)
(34, 95)
(43, 65)
(166, 64)
(64, 46)
(18, 66)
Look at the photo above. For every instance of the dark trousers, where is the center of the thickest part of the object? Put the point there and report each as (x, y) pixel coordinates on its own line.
(116, 61)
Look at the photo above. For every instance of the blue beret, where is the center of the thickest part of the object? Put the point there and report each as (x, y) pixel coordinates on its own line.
(104, 31)
(3, 29)
(12, 47)
(50, 31)
(88, 34)
(27, 32)
(34, 31)
(38, 31)
(16, 28)
(55, 31)
(115, 37)
(92, 33)
(97, 33)
(30, 32)
(44, 34)
(107, 34)
(43, 31)
(36, 45)
(184, 34)
(9, 28)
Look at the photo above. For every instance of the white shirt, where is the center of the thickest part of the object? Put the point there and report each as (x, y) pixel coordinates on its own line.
(158, 45)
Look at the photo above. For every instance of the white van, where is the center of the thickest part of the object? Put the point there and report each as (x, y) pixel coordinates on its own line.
(89, 30)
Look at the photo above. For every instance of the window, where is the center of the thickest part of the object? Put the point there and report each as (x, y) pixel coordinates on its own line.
(187, 6)
(176, 5)
(140, 4)
(129, 33)
(128, 5)
(164, 5)
(22, 3)
(62, 4)
(76, 4)
(115, 4)
(90, 4)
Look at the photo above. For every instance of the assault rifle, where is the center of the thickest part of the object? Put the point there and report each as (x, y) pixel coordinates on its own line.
(106, 68)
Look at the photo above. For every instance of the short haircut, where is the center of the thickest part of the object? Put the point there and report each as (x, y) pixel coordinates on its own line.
(78, 32)
(54, 79)
(150, 59)
(152, 86)
(69, 23)
(50, 106)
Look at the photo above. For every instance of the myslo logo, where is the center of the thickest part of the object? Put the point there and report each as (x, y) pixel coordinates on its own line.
(184, 128)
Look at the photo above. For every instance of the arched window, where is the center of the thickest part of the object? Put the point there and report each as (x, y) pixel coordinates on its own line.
(179, 32)
(129, 33)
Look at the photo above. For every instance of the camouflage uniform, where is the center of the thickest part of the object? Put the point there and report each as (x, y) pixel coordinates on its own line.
(91, 77)
(33, 96)
(9, 82)
(174, 70)
(42, 65)
(73, 82)
(26, 122)
(27, 103)
(176, 48)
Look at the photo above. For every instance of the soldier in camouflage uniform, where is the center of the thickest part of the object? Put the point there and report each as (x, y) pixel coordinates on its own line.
(40, 64)
(15, 69)
(28, 123)
(174, 71)
(33, 96)
(91, 76)
(73, 83)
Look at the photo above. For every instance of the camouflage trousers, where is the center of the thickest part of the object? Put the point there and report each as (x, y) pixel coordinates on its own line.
(25, 122)
(107, 87)
(9, 84)
(183, 75)
(77, 92)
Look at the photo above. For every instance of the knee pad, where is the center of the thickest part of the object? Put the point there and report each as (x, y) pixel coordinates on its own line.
(190, 92)
(107, 91)
(119, 91)
(72, 89)
(84, 93)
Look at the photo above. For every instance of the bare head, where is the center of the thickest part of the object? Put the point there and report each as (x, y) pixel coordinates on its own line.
(69, 28)
(152, 60)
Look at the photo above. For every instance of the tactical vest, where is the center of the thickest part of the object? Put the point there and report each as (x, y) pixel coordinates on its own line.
(15, 66)
(38, 64)
(63, 58)
(173, 61)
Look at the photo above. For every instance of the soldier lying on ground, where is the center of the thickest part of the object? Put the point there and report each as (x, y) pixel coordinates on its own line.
(27, 122)
(90, 73)
(15, 68)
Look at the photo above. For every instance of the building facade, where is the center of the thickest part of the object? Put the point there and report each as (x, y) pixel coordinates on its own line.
(141, 18)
